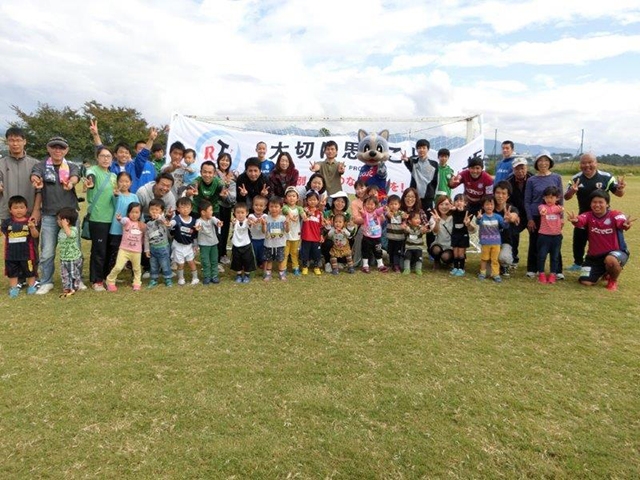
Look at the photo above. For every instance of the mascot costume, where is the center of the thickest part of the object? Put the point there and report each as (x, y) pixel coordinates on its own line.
(373, 151)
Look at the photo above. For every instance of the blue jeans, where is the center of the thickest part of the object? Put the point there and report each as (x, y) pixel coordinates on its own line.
(49, 230)
(549, 245)
(160, 261)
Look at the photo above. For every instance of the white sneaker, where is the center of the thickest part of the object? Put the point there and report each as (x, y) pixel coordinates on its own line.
(327, 267)
(146, 275)
(195, 281)
(225, 260)
(220, 268)
(181, 281)
(82, 286)
(44, 288)
(99, 287)
(532, 274)
(560, 276)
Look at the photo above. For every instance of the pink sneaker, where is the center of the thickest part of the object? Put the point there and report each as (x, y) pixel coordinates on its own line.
(542, 278)
(111, 287)
(136, 288)
(365, 270)
(612, 285)
(552, 278)
(383, 269)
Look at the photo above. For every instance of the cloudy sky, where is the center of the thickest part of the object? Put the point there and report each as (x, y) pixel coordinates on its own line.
(539, 72)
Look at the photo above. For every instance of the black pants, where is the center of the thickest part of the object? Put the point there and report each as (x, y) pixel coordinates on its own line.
(99, 243)
(371, 246)
(580, 239)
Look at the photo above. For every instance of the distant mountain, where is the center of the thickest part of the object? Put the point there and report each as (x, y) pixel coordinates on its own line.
(524, 149)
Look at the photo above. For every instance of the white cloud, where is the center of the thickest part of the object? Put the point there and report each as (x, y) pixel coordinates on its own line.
(336, 58)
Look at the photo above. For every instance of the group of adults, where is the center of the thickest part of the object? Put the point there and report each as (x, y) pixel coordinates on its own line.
(527, 195)
(50, 184)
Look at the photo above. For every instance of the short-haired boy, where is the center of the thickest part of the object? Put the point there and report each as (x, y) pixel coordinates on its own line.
(477, 184)
(489, 226)
(608, 252)
(266, 165)
(295, 214)
(275, 228)
(207, 226)
(20, 259)
(183, 248)
(395, 233)
(445, 173)
(256, 222)
(157, 245)
(243, 261)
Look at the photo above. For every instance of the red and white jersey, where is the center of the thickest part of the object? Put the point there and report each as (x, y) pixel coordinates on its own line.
(476, 188)
(602, 231)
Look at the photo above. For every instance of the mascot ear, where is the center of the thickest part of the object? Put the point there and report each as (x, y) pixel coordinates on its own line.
(361, 135)
(384, 134)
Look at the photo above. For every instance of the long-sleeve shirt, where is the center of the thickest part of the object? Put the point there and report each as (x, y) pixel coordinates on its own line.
(534, 189)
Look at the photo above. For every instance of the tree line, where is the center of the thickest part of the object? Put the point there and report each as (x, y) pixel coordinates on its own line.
(117, 124)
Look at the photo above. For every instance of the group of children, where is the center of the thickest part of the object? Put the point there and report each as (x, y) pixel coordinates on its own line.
(310, 232)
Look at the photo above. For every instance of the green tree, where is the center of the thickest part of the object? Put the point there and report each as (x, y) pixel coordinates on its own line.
(116, 124)
(324, 132)
(47, 122)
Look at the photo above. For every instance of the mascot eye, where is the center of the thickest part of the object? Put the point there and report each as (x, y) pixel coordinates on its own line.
(366, 148)
(380, 149)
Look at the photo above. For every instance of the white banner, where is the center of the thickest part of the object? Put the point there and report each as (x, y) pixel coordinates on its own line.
(209, 140)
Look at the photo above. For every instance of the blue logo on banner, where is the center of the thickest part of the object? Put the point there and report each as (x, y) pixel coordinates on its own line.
(226, 143)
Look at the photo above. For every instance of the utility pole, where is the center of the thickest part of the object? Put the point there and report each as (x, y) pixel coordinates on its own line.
(581, 141)
(495, 143)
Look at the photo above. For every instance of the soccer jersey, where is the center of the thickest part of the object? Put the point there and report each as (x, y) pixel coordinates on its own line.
(600, 181)
(476, 188)
(19, 244)
(312, 226)
(184, 231)
(602, 231)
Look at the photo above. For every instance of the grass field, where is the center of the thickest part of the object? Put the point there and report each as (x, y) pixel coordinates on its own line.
(379, 376)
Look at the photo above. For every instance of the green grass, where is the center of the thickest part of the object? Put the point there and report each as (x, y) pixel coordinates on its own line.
(379, 376)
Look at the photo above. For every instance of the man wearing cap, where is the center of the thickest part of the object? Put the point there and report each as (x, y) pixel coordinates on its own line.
(505, 167)
(54, 179)
(583, 184)
(518, 180)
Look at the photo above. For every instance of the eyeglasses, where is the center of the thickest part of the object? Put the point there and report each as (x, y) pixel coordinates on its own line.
(105, 155)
